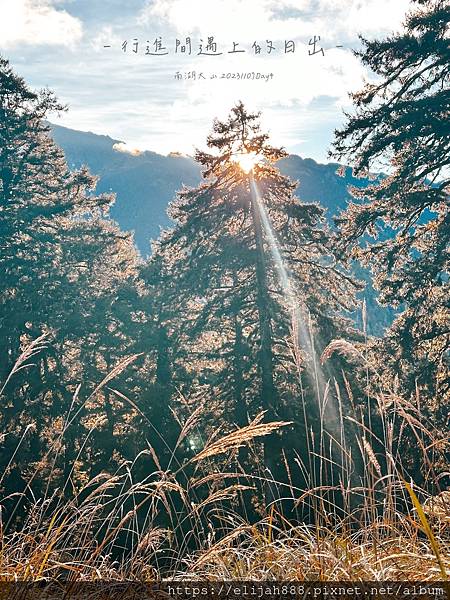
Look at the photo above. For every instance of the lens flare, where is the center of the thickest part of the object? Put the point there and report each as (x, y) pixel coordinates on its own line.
(247, 160)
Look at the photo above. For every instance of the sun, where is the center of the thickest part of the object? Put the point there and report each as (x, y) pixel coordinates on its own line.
(246, 160)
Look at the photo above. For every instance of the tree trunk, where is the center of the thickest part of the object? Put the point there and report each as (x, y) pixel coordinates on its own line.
(272, 442)
(240, 406)
(161, 415)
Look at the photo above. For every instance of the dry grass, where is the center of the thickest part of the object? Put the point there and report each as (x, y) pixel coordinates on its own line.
(99, 537)
(381, 553)
(111, 528)
(65, 545)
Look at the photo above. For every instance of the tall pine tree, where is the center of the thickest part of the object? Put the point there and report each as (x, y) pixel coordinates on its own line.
(63, 265)
(400, 225)
(244, 251)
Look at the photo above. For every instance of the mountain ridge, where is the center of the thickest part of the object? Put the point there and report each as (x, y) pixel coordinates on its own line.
(145, 183)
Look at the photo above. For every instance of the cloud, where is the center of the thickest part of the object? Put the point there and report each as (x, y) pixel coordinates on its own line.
(277, 18)
(37, 22)
(372, 17)
(135, 98)
(122, 147)
(106, 35)
(227, 19)
(304, 89)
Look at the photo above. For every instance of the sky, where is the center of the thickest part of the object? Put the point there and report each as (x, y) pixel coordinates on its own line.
(150, 102)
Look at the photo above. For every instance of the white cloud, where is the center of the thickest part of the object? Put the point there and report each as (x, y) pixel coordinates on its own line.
(135, 98)
(106, 35)
(304, 88)
(227, 19)
(374, 17)
(277, 18)
(299, 79)
(37, 22)
(122, 147)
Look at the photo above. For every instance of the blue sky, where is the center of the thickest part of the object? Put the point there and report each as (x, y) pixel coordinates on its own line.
(139, 99)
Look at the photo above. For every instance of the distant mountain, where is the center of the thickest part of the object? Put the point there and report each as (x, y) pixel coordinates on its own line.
(145, 183)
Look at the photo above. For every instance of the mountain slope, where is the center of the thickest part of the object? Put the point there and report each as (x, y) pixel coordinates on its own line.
(145, 183)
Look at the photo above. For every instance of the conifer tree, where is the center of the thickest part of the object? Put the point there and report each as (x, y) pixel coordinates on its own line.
(238, 237)
(399, 226)
(62, 266)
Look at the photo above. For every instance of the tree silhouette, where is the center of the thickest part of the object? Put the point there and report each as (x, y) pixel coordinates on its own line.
(238, 236)
(400, 123)
(63, 265)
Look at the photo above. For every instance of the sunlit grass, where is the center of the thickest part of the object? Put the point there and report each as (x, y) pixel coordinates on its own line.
(111, 527)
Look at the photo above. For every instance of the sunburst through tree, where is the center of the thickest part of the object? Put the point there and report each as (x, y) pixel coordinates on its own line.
(261, 294)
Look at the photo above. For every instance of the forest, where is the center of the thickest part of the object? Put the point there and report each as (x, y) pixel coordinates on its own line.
(220, 409)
